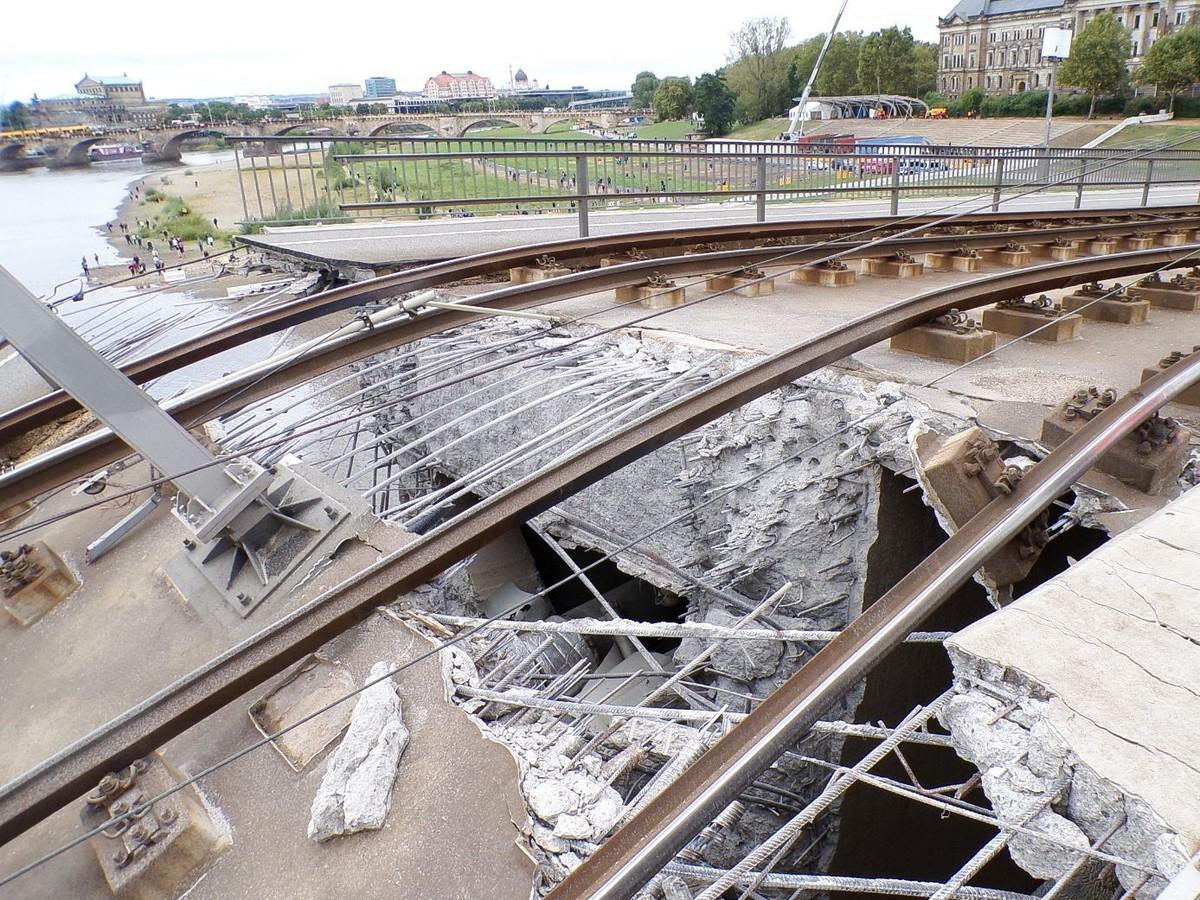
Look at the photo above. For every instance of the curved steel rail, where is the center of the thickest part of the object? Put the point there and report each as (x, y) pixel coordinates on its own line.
(39, 792)
(78, 458)
(56, 404)
(650, 839)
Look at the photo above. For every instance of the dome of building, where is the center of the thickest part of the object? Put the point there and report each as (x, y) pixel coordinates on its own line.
(520, 76)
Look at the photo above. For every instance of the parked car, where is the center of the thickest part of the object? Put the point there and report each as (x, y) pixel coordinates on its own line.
(910, 165)
(876, 167)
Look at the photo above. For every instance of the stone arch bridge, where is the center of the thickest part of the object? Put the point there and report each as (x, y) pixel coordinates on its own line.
(165, 144)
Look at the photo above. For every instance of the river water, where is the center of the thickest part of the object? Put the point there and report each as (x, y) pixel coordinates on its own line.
(49, 219)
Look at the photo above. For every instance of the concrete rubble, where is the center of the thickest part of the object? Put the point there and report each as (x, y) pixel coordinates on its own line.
(1069, 703)
(573, 807)
(800, 515)
(356, 792)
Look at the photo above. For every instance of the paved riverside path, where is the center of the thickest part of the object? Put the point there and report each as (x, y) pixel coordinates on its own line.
(382, 245)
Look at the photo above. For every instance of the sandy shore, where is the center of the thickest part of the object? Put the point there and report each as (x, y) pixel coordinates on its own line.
(211, 189)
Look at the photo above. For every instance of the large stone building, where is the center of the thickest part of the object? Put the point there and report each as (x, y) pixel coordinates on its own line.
(996, 45)
(113, 101)
(459, 86)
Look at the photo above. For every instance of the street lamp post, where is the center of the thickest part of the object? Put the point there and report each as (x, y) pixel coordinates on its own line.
(1056, 46)
(1050, 102)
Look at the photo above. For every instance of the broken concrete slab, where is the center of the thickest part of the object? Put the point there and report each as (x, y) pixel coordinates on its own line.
(356, 792)
(1084, 691)
(962, 474)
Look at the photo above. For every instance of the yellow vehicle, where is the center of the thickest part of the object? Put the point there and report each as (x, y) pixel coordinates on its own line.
(938, 112)
(52, 131)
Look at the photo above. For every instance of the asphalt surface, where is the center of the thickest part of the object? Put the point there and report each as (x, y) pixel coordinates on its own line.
(383, 245)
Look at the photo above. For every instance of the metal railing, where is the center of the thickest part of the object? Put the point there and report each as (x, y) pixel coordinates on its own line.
(293, 180)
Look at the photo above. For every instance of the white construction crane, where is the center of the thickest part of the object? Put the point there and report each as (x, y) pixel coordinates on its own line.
(796, 126)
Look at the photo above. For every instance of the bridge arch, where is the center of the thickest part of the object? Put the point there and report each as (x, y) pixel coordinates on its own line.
(309, 130)
(557, 126)
(171, 149)
(78, 154)
(402, 128)
(491, 121)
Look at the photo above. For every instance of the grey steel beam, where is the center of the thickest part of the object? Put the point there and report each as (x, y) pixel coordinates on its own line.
(34, 795)
(51, 345)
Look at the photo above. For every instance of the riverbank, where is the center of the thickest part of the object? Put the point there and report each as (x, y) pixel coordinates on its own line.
(210, 187)
(206, 183)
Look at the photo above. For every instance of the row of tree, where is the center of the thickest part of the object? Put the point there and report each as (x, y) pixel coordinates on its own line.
(15, 116)
(1098, 66)
(765, 72)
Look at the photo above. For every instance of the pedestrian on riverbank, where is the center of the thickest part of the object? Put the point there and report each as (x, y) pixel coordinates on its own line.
(108, 225)
(96, 256)
(200, 246)
(215, 222)
(84, 265)
(210, 240)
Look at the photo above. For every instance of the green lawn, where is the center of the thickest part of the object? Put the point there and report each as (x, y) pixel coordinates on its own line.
(1157, 135)
(675, 130)
(766, 130)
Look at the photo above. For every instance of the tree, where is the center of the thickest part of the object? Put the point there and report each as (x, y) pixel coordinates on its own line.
(673, 99)
(1097, 60)
(15, 116)
(887, 62)
(759, 68)
(715, 103)
(839, 70)
(643, 89)
(1172, 63)
(924, 68)
(970, 100)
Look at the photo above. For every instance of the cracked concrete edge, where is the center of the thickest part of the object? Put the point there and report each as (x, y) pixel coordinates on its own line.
(1082, 797)
(446, 659)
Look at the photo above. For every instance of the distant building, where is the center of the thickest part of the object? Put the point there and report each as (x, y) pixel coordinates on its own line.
(996, 45)
(123, 90)
(344, 94)
(107, 100)
(523, 84)
(459, 86)
(254, 101)
(379, 86)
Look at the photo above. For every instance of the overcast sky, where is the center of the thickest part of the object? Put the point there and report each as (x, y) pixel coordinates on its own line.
(216, 49)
